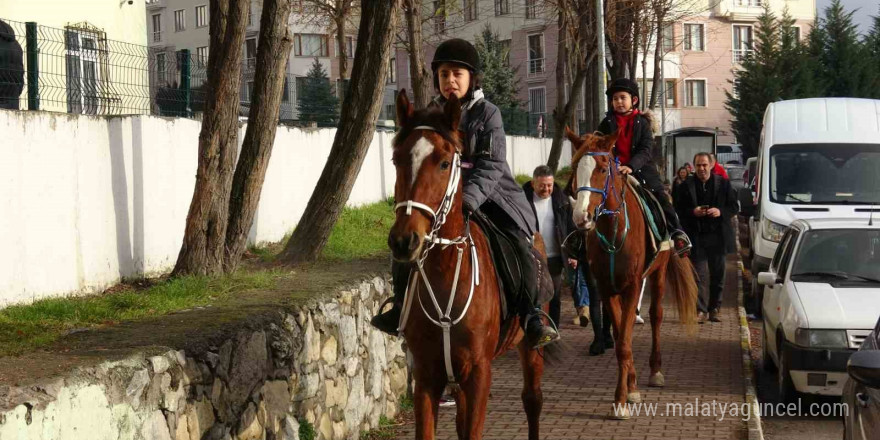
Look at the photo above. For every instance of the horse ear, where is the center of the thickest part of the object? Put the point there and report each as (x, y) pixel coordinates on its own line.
(574, 138)
(404, 108)
(608, 142)
(452, 110)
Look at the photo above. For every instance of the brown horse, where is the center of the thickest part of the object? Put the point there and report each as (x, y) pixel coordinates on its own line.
(618, 244)
(451, 317)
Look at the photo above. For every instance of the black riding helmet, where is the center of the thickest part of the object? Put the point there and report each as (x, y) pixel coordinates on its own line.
(624, 85)
(461, 52)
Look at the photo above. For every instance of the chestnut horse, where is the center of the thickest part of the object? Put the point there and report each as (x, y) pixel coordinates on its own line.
(619, 252)
(451, 318)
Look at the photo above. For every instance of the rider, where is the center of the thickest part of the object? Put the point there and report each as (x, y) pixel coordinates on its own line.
(488, 186)
(633, 149)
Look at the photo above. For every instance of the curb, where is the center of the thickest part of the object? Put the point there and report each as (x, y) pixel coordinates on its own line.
(749, 374)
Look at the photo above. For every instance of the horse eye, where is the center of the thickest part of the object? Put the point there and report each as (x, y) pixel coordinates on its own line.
(444, 165)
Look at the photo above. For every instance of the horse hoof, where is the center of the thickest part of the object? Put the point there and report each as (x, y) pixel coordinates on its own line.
(620, 412)
(634, 397)
(656, 380)
(597, 348)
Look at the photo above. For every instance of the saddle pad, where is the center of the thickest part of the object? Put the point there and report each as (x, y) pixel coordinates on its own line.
(651, 212)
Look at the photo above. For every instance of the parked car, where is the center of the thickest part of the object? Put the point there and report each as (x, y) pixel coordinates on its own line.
(729, 154)
(735, 173)
(821, 299)
(861, 394)
(749, 174)
(818, 158)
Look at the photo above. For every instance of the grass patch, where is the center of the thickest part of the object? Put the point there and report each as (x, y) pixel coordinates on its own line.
(361, 232)
(521, 179)
(561, 177)
(406, 403)
(385, 430)
(306, 430)
(31, 326)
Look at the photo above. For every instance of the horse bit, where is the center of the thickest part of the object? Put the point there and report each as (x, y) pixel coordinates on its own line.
(611, 247)
(445, 320)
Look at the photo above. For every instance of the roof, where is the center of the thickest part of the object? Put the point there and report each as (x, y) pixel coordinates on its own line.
(823, 120)
(838, 223)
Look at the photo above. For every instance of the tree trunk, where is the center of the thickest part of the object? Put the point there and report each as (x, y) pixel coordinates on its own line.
(418, 75)
(636, 34)
(247, 184)
(363, 100)
(559, 115)
(205, 234)
(340, 40)
(658, 51)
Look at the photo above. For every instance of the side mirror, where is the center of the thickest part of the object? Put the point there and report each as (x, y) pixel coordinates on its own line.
(864, 367)
(768, 279)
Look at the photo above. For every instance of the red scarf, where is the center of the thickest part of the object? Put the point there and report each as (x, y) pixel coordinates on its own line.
(623, 146)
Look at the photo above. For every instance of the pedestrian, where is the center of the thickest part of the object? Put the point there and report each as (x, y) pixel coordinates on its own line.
(553, 212)
(487, 185)
(11, 68)
(717, 168)
(633, 150)
(706, 203)
(680, 176)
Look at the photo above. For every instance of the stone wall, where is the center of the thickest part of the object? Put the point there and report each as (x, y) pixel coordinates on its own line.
(321, 362)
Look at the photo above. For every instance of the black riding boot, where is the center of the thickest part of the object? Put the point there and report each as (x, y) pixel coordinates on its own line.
(601, 323)
(673, 225)
(388, 321)
(537, 334)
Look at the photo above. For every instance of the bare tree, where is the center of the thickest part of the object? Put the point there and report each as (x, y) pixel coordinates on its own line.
(202, 251)
(420, 77)
(335, 16)
(356, 128)
(250, 173)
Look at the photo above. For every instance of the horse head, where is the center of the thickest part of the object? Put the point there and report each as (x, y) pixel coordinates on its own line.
(594, 177)
(426, 158)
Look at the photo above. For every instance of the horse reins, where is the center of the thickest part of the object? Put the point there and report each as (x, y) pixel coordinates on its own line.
(445, 320)
(611, 247)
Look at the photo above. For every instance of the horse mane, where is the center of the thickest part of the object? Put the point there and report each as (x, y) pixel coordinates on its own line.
(432, 116)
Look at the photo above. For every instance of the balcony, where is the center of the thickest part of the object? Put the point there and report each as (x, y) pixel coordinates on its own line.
(155, 4)
(157, 37)
(739, 9)
(536, 67)
(740, 54)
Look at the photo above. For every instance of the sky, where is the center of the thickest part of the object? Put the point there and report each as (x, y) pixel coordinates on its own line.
(862, 17)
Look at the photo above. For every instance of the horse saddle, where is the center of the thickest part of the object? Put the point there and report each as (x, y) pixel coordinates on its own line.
(508, 268)
(653, 215)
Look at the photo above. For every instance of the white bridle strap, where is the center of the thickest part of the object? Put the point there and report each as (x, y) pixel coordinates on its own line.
(409, 204)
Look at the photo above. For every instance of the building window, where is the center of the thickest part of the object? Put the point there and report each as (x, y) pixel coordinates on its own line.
(157, 28)
(537, 111)
(470, 10)
(693, 37)
(161, 77)
(795, 32)
(83, 74)
(536, 55)
(439, 17)
(310, 45)
(392, 70)
(668, 38)
(202, 55)
(531, 8)
(749, 2)
(250, 20)
(505, 50)
(201, 16)
(349, 47)
(180, 20)
(742, 42)
(250, 52)
(695, 92)
(285, 92)
(502, 7)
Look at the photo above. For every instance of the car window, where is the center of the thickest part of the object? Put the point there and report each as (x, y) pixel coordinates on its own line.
(777, 257)
(786, 254)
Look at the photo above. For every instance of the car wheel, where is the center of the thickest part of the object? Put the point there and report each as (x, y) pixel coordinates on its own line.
(767, 363)
(783, 378)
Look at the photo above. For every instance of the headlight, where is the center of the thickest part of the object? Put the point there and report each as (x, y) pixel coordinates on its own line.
(772, 231)
(820, 338)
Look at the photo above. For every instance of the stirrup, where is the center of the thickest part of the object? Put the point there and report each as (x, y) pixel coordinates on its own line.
(546, 340)
(682, 236)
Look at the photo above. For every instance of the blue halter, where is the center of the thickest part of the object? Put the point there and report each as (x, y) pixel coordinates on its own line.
(611, 247)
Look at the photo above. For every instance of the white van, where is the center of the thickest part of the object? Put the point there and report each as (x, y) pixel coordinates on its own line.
(818, 158)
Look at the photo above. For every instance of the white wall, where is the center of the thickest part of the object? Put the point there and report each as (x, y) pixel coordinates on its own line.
(86, 201)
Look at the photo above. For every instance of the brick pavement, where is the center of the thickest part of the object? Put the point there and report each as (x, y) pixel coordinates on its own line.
(579, 390)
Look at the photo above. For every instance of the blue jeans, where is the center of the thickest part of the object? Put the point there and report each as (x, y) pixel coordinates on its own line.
(580, 293)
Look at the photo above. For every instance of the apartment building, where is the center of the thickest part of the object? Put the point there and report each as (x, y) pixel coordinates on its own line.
(174, 25)
(701, 52)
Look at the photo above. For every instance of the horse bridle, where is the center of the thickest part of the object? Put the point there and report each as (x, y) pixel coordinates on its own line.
(445, 320)
(611, 247)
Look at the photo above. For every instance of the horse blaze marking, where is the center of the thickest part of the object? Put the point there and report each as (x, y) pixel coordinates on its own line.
(420, 151)
(586, 165)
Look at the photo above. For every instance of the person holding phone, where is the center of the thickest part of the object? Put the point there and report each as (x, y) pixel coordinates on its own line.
(706, 203)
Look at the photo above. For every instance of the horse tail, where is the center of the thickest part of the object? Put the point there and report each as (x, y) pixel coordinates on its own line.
(680, 273)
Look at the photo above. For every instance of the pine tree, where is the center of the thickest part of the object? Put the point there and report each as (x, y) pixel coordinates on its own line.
(872, 50)
(499, 82)
(757, 83)
(842, 60)
(316, 101)
(796, 78)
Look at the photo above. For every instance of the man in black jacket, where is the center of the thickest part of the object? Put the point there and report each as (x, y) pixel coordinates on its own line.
(706, 203)
(11, 68)
(553, 212)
